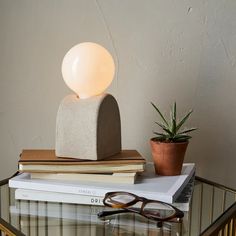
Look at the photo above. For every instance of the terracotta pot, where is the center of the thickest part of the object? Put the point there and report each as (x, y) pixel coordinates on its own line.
(168, 157)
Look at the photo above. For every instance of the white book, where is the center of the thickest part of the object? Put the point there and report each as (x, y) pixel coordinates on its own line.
(149, 185)
(182, 202)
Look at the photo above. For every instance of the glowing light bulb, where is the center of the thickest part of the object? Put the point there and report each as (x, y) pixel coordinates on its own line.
(88, 69)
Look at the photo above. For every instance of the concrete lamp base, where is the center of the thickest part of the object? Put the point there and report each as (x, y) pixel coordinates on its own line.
(88, 128)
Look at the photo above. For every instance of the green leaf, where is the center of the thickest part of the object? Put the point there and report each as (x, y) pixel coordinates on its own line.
(174, 110)
(187, 131)
(183, 120)
(161, 125)
(158, 111)
(173, 119)
(164, 128)
(161, 134)
(182, 137)
(159, 138)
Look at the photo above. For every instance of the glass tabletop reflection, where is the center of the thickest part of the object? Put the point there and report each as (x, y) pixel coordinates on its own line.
(208, 202)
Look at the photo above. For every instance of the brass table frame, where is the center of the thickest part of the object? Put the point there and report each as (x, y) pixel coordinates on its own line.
(225, 224)
(5, 227)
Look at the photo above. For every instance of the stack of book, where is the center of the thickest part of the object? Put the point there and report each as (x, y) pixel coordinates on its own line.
(46, 177)
(120, 168)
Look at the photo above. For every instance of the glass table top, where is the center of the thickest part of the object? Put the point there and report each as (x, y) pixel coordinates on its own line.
(209, 201)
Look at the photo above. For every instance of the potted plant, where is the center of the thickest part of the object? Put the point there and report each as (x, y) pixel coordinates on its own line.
(169, 145)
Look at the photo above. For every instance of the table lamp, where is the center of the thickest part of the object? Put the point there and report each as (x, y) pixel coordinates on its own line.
(88, 122)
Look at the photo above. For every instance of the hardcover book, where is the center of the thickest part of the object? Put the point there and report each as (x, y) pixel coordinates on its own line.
(149, 185)
(47, 161)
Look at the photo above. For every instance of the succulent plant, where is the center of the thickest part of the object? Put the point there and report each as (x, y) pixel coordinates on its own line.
(172, 131)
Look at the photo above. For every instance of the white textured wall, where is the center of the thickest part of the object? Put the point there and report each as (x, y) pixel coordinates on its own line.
(164, 51)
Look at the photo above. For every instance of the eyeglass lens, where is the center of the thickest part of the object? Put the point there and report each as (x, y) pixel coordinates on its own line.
(120, 199)
(160, 210)
(152, 208)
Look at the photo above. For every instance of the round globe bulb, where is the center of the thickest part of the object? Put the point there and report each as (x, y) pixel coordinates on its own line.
(88, 69)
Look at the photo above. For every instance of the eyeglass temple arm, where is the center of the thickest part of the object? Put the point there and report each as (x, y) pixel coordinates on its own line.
(108, 213)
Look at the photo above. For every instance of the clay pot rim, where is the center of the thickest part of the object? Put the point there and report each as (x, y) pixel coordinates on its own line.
(168, 143)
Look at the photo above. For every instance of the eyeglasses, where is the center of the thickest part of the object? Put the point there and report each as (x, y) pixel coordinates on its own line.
(151, 209)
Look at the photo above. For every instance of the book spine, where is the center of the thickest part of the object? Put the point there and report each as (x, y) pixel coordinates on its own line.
(25, 194)
(122, 178)
(79, 189)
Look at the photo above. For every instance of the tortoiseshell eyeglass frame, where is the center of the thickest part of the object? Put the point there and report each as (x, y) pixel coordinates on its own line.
(126, 207)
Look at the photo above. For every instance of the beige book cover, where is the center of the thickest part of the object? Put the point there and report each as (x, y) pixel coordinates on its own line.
(48, 157)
